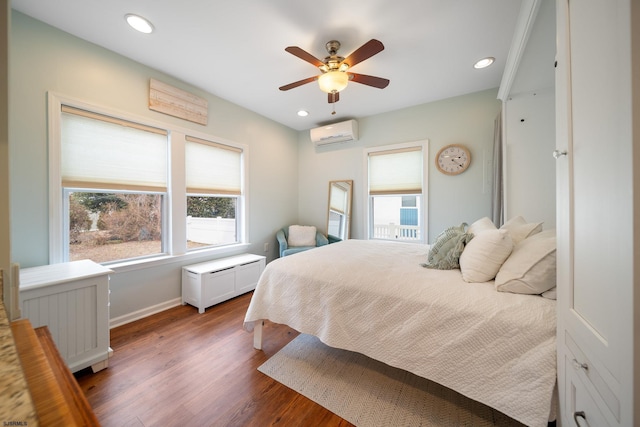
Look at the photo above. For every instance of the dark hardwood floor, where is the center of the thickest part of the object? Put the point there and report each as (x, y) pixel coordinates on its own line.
(181, 368)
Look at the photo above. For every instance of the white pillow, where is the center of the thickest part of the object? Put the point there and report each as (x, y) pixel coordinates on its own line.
(516, 220)
(521, 229)
(301, 235)
(531, 268)
(484, 255)
(483, 224)
(550, 294)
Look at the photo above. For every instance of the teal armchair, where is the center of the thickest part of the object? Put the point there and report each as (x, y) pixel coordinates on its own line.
(285, 249)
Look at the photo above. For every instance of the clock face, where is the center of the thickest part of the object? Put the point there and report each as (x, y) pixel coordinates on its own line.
(453, 159)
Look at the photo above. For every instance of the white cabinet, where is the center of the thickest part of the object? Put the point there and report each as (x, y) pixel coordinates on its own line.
(209, 283)
(72, 300)
(595, 222)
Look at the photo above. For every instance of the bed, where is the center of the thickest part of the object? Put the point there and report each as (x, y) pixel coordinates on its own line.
(375, 298)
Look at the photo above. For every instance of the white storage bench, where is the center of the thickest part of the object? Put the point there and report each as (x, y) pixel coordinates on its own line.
(209, 283)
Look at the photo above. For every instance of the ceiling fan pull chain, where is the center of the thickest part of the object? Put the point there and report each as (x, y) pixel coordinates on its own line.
(333, 103)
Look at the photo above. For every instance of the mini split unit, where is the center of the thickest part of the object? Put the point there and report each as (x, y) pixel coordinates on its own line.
(335, 132)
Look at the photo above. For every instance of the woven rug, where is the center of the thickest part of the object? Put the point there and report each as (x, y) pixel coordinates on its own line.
(369, 393)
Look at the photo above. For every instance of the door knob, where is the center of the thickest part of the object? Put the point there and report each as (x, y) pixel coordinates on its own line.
(557, 153)
(578, 365)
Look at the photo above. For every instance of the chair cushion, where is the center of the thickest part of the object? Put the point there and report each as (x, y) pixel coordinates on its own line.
(301, 235)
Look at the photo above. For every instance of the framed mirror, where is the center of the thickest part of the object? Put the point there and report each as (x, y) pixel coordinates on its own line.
(339, 210)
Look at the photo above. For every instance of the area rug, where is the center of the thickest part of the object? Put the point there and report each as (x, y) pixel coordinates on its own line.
(368, 393)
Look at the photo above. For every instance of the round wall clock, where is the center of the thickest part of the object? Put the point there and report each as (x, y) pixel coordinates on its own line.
(453, 159)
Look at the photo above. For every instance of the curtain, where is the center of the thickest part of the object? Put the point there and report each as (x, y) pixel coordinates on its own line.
(497, 196)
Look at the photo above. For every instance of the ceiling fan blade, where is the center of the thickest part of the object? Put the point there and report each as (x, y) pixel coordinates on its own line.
(298, 83)
(334, 97)
(304, 55)
(365, 51)
(374, 81)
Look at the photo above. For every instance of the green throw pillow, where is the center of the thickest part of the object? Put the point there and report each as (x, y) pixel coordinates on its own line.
(444, 254)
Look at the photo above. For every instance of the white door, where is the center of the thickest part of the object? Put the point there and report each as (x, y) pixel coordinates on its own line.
(595, 212)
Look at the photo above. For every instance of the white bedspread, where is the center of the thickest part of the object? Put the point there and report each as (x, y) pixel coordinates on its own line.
(374, 298)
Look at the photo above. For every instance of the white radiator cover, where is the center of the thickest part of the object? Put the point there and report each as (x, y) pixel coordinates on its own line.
(211, 282)
(72, 300)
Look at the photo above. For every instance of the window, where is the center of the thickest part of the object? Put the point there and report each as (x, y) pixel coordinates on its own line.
(114, 181)
(214, 184)
(108, 227)
(134, 190)
(396, 199)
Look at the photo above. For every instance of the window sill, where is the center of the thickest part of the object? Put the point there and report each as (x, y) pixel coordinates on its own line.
(141, 264)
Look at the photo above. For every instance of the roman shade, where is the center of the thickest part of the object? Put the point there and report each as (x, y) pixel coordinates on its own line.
(395, 171)
(338, 199)
(103, 152)
(212, 168)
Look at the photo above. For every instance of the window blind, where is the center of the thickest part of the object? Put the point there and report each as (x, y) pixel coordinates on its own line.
(338, 200)
(395, 171)
(103, 152)
(212, 168)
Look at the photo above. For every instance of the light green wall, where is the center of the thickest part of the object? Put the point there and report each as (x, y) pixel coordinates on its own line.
(44, 59)
(467, 119)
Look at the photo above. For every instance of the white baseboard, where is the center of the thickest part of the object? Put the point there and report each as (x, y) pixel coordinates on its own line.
(140, 314)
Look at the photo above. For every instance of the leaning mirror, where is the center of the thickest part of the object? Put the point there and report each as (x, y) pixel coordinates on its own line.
(339, 215)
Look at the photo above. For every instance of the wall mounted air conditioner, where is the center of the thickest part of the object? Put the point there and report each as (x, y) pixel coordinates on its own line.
(335, 132)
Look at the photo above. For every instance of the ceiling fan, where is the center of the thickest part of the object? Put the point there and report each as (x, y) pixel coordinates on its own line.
(335, 77)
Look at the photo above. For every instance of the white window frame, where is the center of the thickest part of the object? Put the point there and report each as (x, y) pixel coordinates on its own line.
(175, 201)
(424, 146)
(239, 209)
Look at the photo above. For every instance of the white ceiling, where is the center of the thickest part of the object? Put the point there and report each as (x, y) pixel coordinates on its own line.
(235, 49)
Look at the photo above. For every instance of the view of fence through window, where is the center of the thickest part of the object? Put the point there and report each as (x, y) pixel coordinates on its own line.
(396, 217)
(211, 221)
(117, 226)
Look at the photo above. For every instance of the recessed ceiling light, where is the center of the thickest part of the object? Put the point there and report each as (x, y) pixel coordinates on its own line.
(303, 113)
(484, 62)
(139, 23)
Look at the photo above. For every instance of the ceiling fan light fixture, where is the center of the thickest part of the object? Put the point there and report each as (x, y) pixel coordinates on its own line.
(139, 23)
(484, 62)
(333, 81)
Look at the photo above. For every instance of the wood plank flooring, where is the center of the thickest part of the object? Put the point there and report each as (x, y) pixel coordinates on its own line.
(180, 368)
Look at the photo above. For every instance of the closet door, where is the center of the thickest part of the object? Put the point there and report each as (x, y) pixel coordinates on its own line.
(595, 212)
